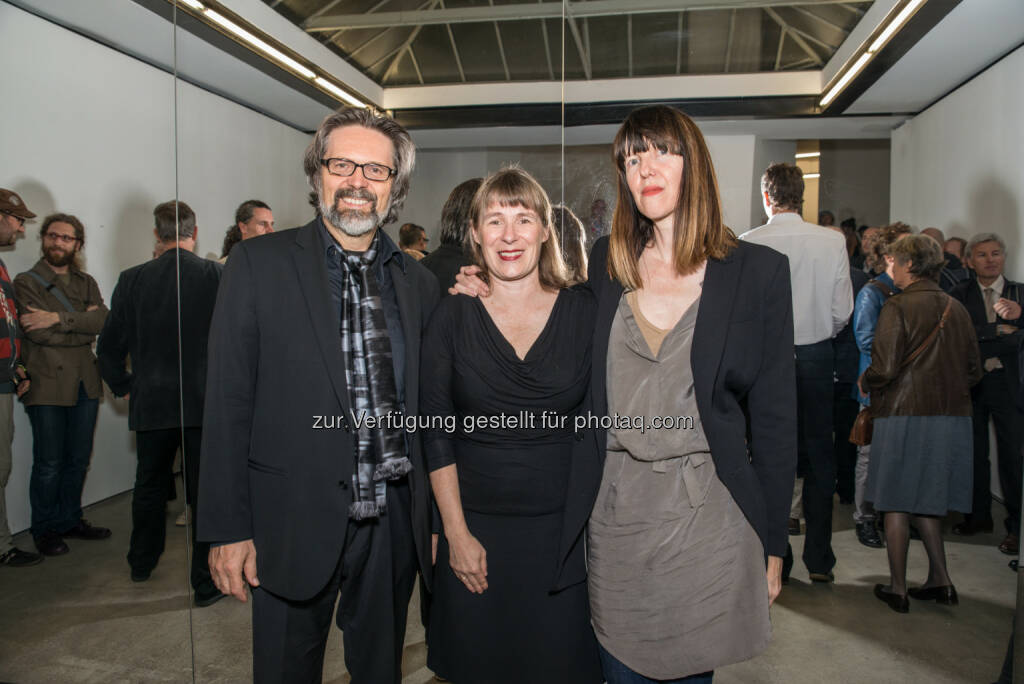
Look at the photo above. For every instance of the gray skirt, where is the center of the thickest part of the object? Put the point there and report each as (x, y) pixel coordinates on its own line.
(921, 464)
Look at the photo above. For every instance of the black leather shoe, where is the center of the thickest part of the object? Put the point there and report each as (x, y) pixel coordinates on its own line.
(51, 545)
(867, 534)
(971, 527)
(945, 595)
(83, 530)
(208, 598)
(898, 603)
(822, 577)
(140, 575)
(16, 558)
(794, 527)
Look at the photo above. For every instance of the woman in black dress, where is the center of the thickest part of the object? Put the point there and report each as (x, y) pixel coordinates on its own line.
(508, 374)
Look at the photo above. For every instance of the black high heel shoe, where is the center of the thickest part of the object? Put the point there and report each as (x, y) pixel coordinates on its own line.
(898, 603)
(945, 595)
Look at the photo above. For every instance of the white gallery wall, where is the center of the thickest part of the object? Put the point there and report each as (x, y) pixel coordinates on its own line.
(89, 131)
(958, 165)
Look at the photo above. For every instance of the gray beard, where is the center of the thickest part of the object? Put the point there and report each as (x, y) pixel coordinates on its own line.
(352, 222)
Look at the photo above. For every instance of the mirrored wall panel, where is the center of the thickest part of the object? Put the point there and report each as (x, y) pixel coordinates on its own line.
(94, 577)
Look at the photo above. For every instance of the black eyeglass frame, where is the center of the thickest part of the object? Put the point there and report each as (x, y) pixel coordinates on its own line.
(326, 163)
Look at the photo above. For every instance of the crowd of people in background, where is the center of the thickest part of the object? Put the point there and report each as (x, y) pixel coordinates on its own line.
(905, 345)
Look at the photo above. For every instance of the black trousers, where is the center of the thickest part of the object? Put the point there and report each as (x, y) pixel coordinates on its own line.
(374, 578)
(153, 477)
(816, 460)
(993, 398)
(844, 413)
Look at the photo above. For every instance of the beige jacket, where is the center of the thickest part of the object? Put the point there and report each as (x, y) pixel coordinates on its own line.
(60, 357)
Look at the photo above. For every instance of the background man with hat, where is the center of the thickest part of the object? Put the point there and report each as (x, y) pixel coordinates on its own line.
(13, 378)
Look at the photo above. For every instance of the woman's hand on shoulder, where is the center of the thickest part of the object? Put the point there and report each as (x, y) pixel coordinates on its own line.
(468, 560)
(468, 282)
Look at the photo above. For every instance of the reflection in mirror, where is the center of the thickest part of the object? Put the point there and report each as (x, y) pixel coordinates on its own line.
(240, 141)
(88, 148)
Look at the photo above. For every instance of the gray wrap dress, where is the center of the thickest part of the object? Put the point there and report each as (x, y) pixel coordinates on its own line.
(676, 572)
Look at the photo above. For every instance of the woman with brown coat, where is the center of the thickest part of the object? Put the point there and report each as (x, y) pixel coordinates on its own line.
(924, 360)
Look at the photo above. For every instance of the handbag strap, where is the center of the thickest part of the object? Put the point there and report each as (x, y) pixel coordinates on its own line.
(882, 287)
(931, 338)
(54, 290)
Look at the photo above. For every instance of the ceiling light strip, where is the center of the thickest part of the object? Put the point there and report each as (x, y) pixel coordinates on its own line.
(812, 175)
(894, 25)
(808, 155)
(324, 83)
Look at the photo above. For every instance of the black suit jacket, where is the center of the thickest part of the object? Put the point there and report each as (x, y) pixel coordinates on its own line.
(445, 262)
(268, 473)
(990, 343)
(745, 383)
(143, 324)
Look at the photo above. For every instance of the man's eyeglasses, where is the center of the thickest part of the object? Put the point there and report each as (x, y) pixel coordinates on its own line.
(346, 167)
(58, 237)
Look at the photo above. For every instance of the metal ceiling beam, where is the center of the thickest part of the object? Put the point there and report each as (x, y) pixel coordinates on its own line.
(575, 30)
(337, 34)
(501, 46)
(797, 38)
(778, 53)
(728, 43)
(679, 42)
(455, 48)
(400, 52)
(544, 10)
(822, 20)
(415, 64)
(547, 47)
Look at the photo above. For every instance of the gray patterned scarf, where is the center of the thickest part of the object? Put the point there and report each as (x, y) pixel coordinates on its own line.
(380, 453)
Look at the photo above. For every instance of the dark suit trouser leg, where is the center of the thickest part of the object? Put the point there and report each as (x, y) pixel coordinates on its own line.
(844, 414)
(155, 450)
(815, 449)
(981, 504)
(1007, 418)
(375, 577)
(200, 571)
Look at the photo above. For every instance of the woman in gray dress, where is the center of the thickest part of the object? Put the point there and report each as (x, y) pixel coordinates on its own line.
(924, 360)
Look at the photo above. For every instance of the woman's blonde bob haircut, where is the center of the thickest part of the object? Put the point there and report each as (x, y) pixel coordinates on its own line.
(699, 232)
(513, 187)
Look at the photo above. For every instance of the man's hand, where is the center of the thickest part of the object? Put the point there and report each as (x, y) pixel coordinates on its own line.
(860, 386)
(92, 307)
(23, 382)
(433, 549)
(774, 578)
(468, 282)
(37, 319)
(1007, 309)
(232, 566)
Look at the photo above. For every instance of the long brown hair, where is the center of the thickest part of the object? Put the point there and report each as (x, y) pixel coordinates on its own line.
(699, 231)
(513, 187)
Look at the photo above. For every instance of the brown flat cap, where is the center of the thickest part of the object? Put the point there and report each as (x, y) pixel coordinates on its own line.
(11, 203)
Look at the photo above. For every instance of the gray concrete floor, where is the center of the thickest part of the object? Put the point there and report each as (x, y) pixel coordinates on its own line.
(79, 618)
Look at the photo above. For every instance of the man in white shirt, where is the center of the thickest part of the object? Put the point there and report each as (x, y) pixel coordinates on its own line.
(822, 304)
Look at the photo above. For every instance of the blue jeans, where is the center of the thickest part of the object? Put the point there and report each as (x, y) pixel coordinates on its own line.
(615, 672)
(61, 447)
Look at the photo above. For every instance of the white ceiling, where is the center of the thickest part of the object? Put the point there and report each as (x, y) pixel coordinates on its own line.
(971, 37)
(975, 34)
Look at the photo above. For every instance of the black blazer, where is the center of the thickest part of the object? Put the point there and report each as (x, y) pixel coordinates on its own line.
(745, 382)
(992, 344)
(143, 325)
(268, 473)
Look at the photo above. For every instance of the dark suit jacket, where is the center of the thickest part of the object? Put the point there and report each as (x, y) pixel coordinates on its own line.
(445, 262)
(744, 374)
(143, 325)
(991, 344)
(275, 365)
